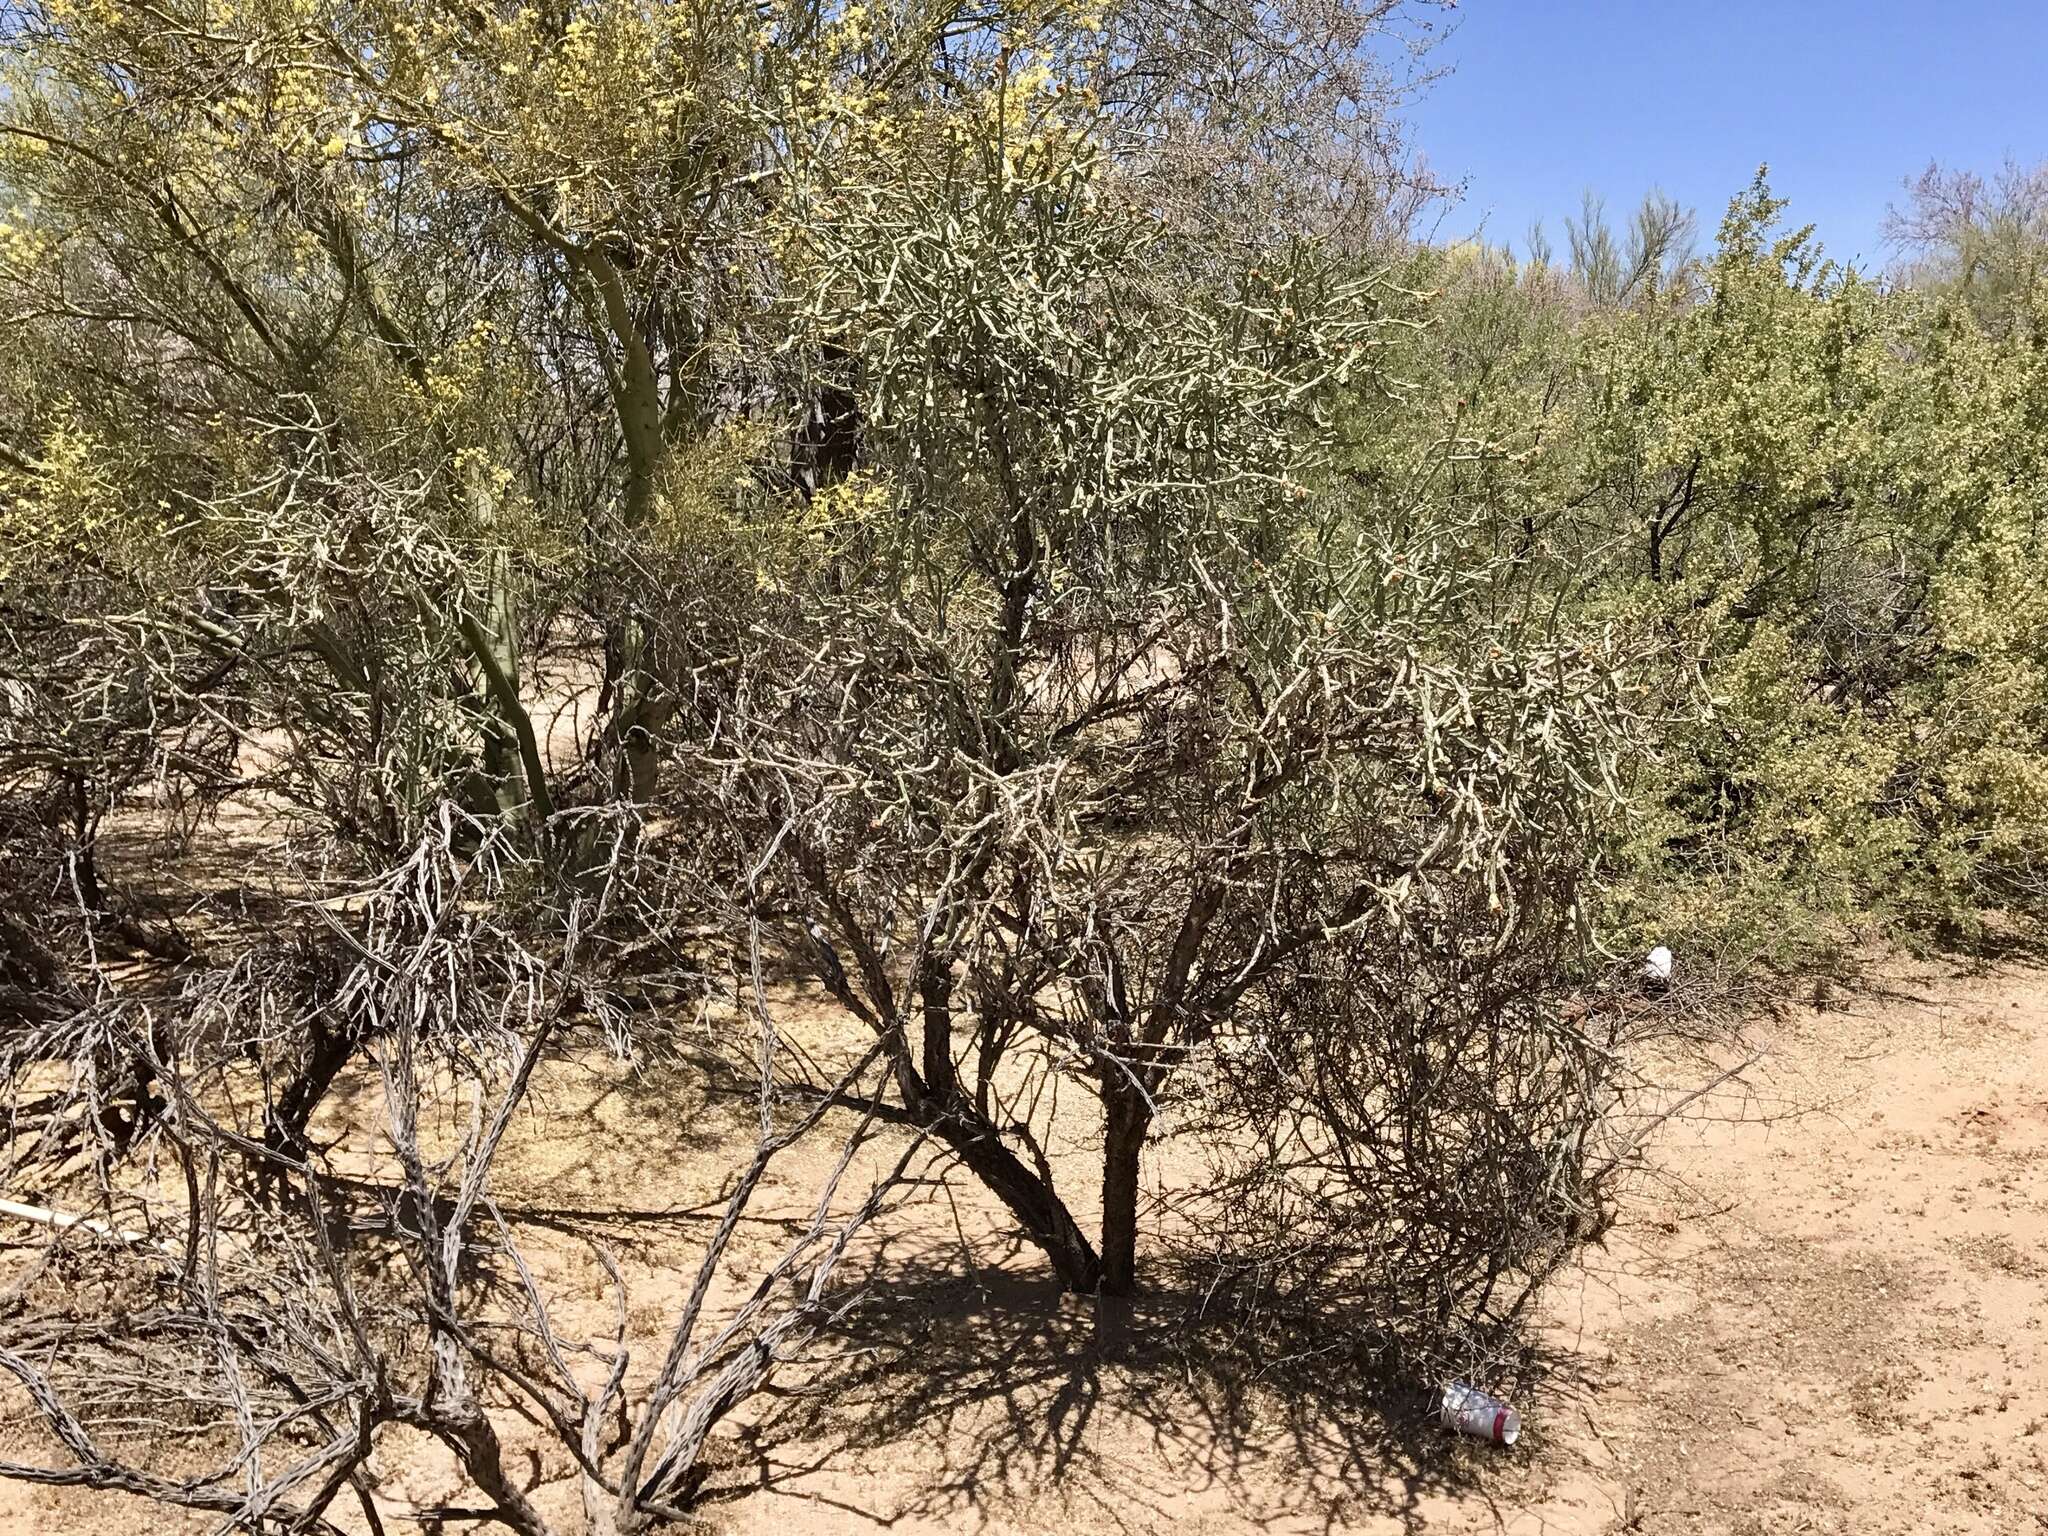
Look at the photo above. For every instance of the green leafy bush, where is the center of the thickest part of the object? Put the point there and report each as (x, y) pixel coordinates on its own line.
(1823, 496)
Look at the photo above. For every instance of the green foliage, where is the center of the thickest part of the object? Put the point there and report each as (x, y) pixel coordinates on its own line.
(1826, 497)
(1011, 544)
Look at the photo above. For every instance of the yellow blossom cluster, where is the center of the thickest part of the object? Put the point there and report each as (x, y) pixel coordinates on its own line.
(61, 500)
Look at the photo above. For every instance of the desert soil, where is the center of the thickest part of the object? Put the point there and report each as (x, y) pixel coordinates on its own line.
(1823, 1310)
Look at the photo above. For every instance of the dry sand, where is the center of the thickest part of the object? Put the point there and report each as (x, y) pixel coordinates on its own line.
(1822, 1311)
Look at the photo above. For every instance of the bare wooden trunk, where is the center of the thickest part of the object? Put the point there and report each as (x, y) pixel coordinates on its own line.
(1027, 1196)
(1125, 1118)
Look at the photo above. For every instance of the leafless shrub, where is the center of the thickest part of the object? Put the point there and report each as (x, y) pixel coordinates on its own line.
(225, 1314)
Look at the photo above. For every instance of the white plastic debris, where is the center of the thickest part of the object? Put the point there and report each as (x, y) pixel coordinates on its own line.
(59, 1221)
(1472, 1412)
(1657, 967)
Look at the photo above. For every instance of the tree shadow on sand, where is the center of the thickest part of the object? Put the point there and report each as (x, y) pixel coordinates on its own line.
(957, 1399)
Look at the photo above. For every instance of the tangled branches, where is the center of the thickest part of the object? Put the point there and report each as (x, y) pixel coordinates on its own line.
(278, 1305)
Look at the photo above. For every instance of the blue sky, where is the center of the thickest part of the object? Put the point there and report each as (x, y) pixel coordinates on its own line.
(1549, 97)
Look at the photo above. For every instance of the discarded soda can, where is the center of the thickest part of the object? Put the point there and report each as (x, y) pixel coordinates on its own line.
(1472, 1412)
(1657, 968)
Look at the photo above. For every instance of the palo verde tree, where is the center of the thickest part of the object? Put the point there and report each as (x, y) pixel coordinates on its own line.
(321, 439)
(322, 225)
(1088, 726)
(1982, 239)
(596, 472)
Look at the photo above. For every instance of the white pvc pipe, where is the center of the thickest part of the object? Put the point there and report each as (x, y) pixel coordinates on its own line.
(62, 1221)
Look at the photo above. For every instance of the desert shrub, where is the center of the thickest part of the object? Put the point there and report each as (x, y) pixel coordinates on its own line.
(988, 515)
(900, 451)
(1099, 730)
(1823, 494)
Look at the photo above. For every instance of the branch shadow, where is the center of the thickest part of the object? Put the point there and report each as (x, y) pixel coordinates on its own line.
(962, 1397)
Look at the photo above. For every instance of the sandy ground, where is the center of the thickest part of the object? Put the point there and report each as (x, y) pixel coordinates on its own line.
(1822, 1311)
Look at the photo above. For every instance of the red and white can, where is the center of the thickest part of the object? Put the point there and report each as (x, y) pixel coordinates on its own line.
(1472, 1412)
